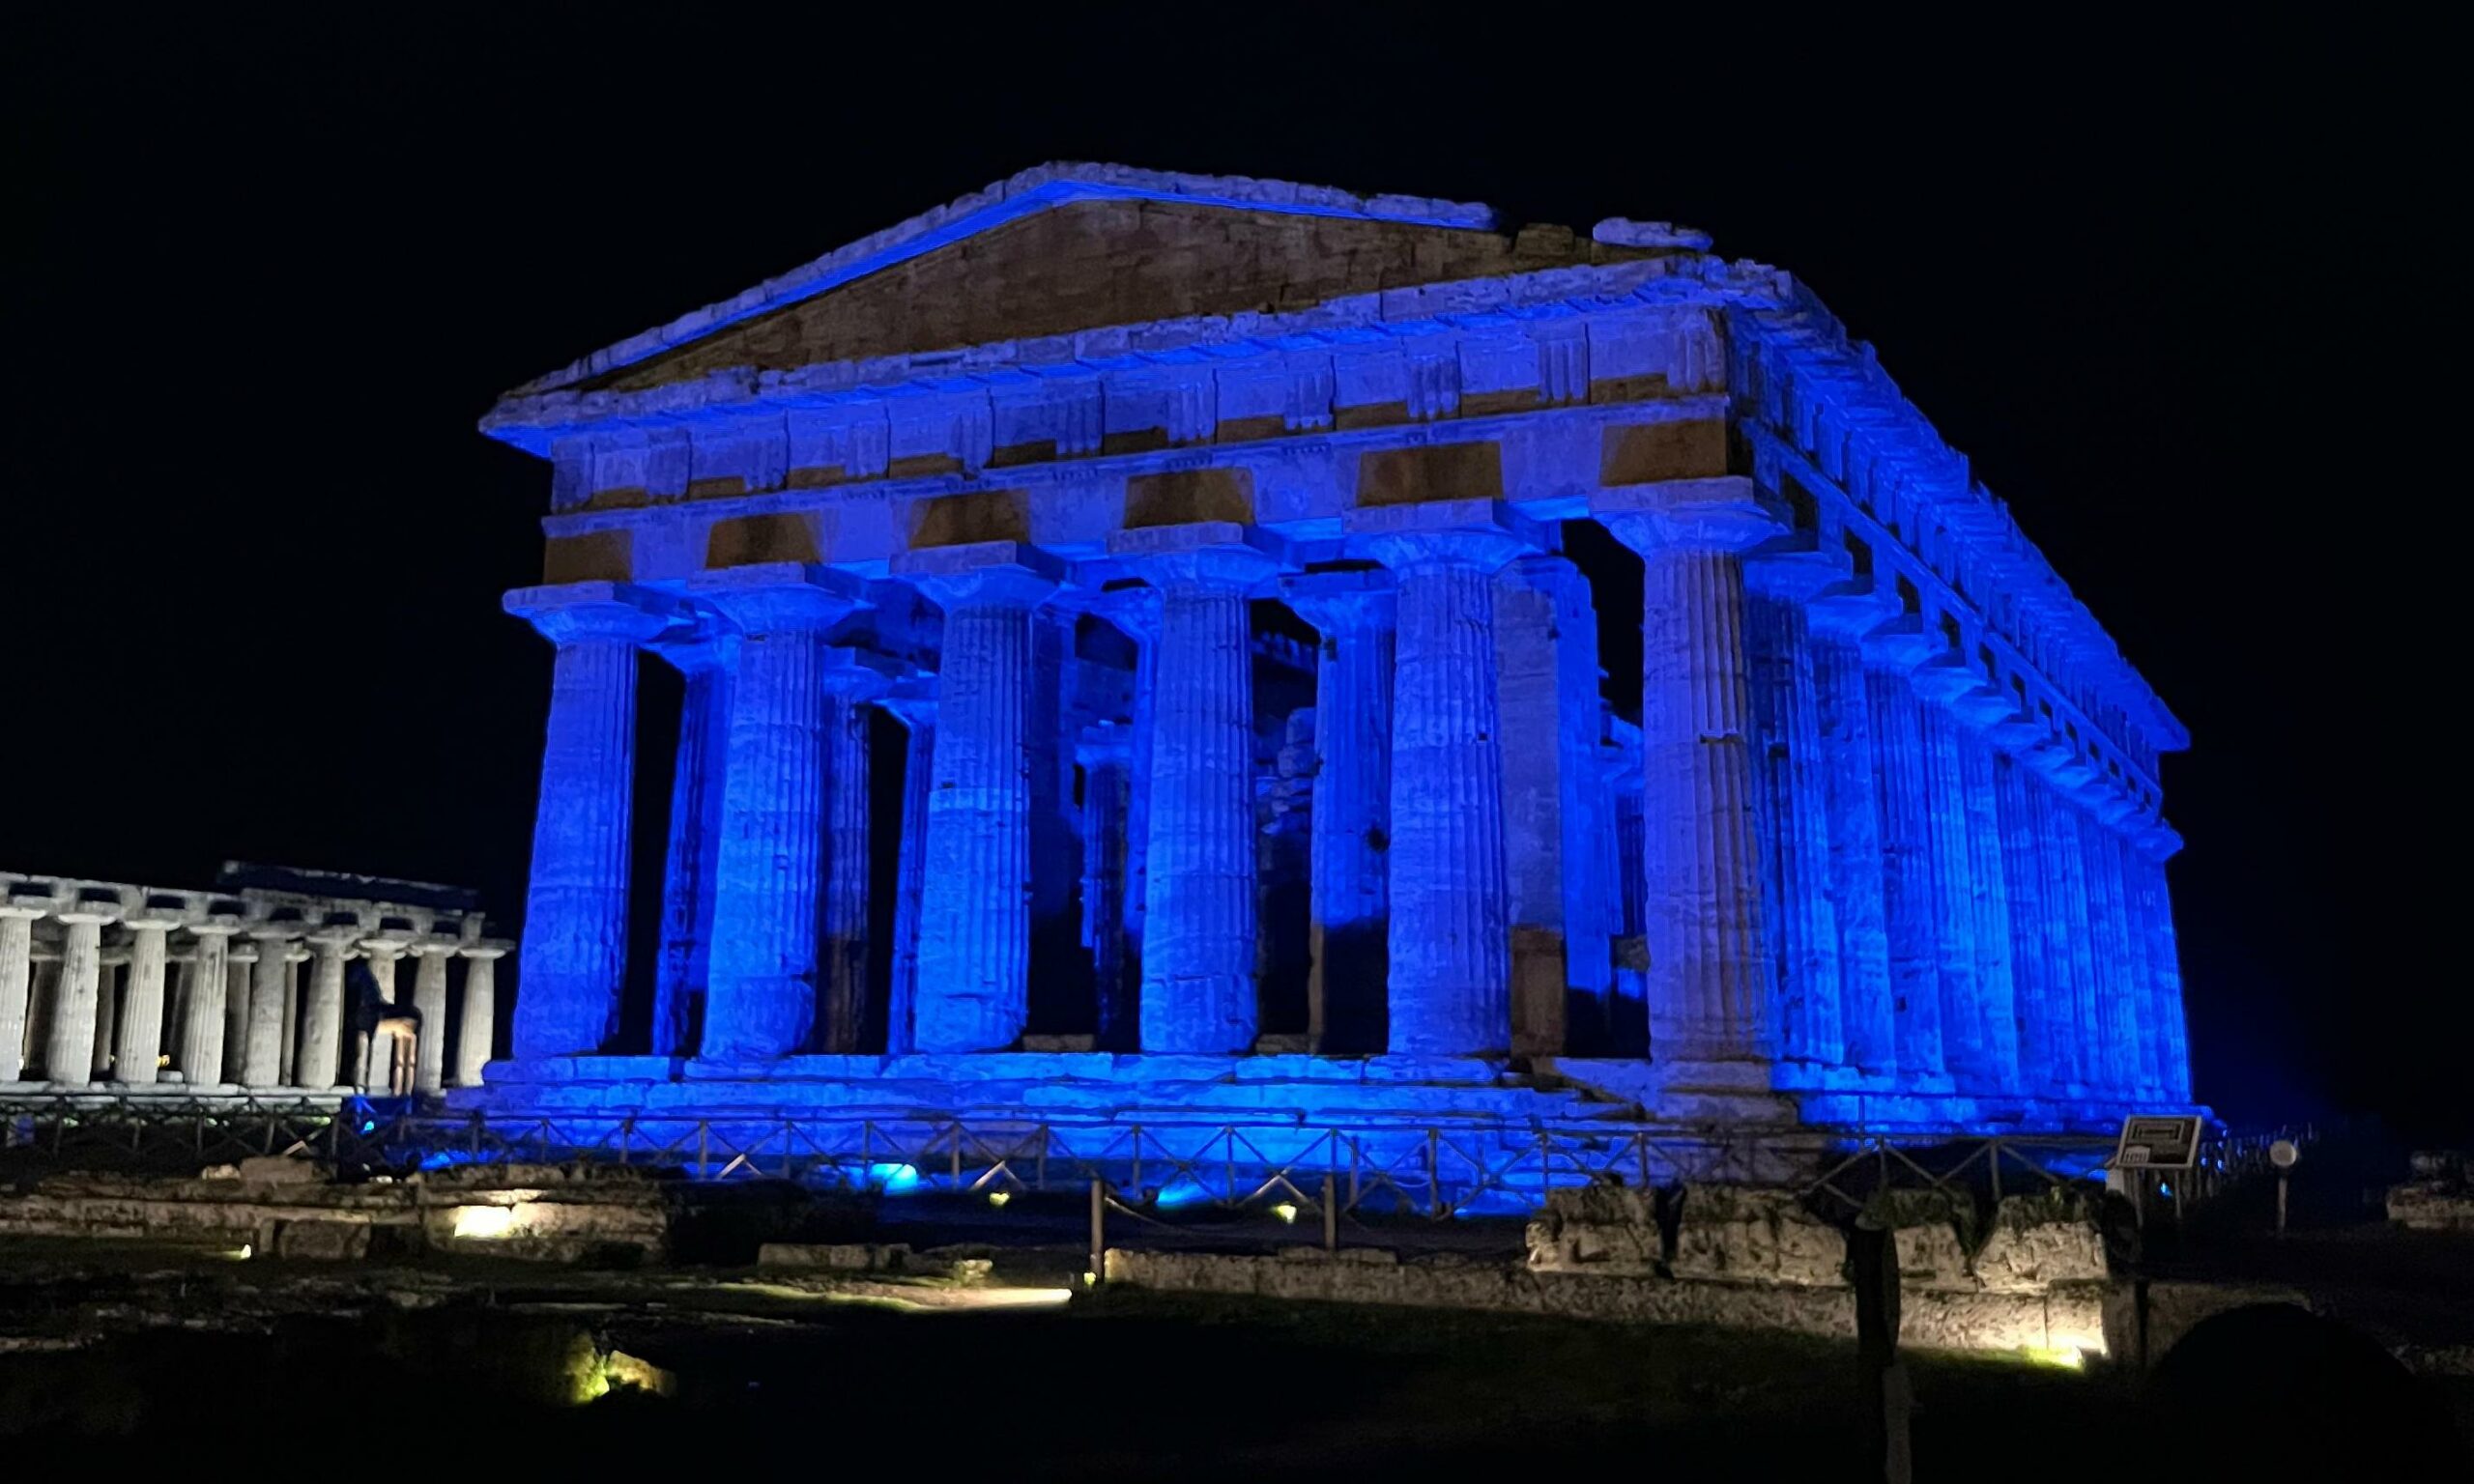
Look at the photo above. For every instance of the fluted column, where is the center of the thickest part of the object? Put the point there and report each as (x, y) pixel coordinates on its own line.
(1852, 798)
(17, 916)
(1791, 785)
(1946, 833)
(1135, 611)
(768, 873)
(429, 1003)
(1450, 934)
(1349, 849)
(109, 964)
(2118, 976)
(2167, 1020)
(1997, 988)
(239, 966)
(2074, 941)
(1910, 900)
(2043, 1030)
(318, 1060)
(138, 1048)
(269, 1007)
(1199, 956)
(910, 867)
(695, 840)
(847, 952)
(575, 913)
(202, 1016)
(1547, 702)
(1108, 789)
(973, 989)
(1711, 985)
(70, 1055)
(478, 1026)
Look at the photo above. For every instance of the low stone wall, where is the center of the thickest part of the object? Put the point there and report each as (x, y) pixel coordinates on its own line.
(2439, 1198)
(2069, 1318)
(293, 1207)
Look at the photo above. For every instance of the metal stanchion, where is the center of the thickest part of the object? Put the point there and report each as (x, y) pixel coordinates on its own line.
(1331, 1214)
(1098, 1268)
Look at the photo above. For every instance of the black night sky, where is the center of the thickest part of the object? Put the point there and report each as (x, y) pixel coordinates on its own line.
(257, 284)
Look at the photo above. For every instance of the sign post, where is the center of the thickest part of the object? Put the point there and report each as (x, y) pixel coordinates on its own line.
(2282, 1154)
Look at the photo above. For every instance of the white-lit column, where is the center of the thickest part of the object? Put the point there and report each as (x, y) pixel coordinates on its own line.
(239, 967)
(137, 1050)
(17, 916)
(318, 1064)
(70, 1056)
(479, 1027)
(269, 1006)
(202, 1018)
(429, 1003)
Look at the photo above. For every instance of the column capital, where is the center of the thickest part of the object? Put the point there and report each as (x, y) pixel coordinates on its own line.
(1000, 574)
(151, 920)
(1851, 608)
(240, 953)
(1722, 514)
(435, 945)
(856, 675)
(573, 613)
(28, 908)
(1345, 600)
(1901, 646)
(335, 941)
(2158, 840)
(385, 945)
(781, 597)
(1480, 533)
(486, 948)
(1215, 554)
(277, 933)
(697, 650)
(218, 925)
(1801, 574)
(911, 708)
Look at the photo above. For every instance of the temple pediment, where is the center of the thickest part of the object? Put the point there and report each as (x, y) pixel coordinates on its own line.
(1070, 248)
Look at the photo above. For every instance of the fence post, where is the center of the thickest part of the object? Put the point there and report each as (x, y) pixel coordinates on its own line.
(1994, 1163)
(1331, 1214)
(1099, 1232)
(703, 1148)
(1434, 1173)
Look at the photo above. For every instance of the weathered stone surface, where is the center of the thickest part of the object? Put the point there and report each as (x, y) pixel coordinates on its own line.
(2432, 1208)
(321, 1242)
(1931, 1231)
(2142, 1322)
(1755, 1236)
(2037, 1241)
(281, 1170)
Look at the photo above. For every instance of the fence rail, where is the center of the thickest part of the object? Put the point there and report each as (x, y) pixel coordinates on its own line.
(1435, 1170)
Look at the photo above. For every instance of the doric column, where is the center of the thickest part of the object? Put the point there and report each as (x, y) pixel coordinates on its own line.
(1350, 816)
(429, 1003)
(269, 1006)
(762, 1003)
(2072, 941)
(1909, 899)
(910, 867)
(1450, 932)
(973, 990)
(1711, 986)
(239, 966)
(575, 913)
(845, 953)
(1851, 797)
(70, 1055)
(137, 1050)
(319, 1061)
(1107, 787)
(2043, 1033)
(1790, 784)
(2166, 1019)
(1135, 611)
(371, 1064)
(1200, 933)
(2118, 976)
(478, 1023)
(695, 838)
(1548, 703)
(1946, 831)
(17, 916)
(202, 1017)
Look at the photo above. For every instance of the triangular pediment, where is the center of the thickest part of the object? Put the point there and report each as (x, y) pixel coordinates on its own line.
(1068, 249)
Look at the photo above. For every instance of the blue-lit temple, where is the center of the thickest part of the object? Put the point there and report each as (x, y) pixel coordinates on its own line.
(1156, 645)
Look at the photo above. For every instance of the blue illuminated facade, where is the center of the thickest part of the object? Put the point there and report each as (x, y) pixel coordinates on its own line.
(1139, 638)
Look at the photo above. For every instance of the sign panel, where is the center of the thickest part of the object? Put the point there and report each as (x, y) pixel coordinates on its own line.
(2160, 1142)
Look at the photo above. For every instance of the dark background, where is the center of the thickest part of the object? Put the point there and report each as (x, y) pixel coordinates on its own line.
(2172, 293)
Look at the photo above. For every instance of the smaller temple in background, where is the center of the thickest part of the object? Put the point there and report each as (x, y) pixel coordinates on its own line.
(272, 983)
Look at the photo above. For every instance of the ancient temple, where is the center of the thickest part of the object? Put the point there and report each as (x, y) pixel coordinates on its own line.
(274, 985)
(1141, 633)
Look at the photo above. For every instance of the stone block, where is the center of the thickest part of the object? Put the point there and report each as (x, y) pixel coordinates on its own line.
(1931, 1231)
(326, 1242)
(835, 1257)
(279, 1170)
(2432, 1208)
(1741, 1234)
(2038, 1240)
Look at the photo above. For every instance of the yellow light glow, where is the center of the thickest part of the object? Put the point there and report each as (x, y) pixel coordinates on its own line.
(484, 1223)
(2067, 1357)
(999, 1197)
(1090, 1280)
(1286, 1212)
